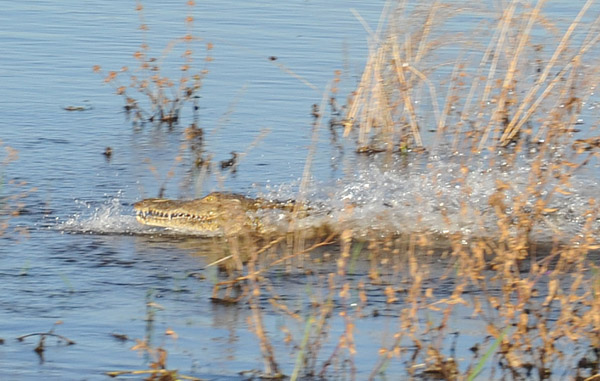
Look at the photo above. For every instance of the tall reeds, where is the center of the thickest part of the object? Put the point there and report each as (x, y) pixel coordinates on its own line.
(511, 89)
(495, 95)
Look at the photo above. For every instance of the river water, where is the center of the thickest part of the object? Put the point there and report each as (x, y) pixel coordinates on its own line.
(75, 253)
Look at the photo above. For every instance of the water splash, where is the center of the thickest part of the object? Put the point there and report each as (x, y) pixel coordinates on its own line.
(436, 194)
(444, 195)
(113, 217)
(110, 217)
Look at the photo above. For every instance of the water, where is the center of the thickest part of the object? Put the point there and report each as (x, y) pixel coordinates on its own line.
(76, 254)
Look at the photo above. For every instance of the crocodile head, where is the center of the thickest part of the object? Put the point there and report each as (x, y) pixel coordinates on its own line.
(213, 214)
(216, 214)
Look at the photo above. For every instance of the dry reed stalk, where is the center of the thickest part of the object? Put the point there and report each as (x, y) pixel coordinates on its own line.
(382, 107)
(268, 353)
(509, 81)
(451, 99)
(516, 123)
(383, 103)
(502, 29)
(408, 102)
(513, 130)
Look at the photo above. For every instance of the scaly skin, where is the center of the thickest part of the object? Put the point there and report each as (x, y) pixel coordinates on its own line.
(218, 213)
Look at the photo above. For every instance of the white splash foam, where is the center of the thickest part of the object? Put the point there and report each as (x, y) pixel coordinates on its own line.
(441, 196)
(110, 217)
(114, 218)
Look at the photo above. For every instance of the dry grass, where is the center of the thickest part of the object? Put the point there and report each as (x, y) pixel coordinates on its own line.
(495, 90)
(507, 92)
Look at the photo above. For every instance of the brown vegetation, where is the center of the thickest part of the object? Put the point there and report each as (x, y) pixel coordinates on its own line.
(538, 300)
(164, 97)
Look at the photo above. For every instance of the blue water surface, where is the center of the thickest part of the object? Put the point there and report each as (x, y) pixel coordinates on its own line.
(75, 254)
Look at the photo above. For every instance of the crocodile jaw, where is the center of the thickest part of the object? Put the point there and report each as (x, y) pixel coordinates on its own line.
(179, 220)
(214, 214)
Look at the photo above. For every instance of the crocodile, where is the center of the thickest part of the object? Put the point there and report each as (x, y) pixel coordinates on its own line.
(218, 213)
